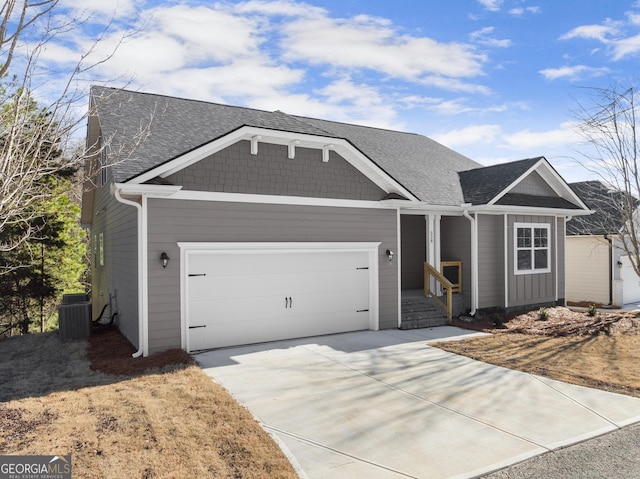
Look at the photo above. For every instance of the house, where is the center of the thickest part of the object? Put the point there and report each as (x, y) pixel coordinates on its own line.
(598, 269)
(216, 225)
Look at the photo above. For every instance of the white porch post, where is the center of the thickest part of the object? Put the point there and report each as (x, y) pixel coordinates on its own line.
(433, 244)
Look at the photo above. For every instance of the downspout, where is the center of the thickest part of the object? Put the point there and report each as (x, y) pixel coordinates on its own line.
(141, 325)
(610, 241)
(474, 262)
(566, 220)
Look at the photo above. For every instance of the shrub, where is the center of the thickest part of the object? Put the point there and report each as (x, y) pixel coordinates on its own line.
(591, 311)
(498, 320)
(543, 314)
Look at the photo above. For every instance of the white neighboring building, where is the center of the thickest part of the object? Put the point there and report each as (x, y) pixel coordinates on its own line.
(598, 270)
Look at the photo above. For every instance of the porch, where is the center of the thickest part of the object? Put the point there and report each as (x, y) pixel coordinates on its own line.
(435, 269)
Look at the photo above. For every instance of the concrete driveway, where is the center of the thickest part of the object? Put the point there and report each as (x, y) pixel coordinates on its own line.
(383, 404)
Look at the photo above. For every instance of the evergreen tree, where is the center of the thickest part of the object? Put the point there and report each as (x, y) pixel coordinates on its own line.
(44, 267)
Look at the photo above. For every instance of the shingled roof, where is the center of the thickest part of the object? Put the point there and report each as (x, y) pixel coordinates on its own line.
(174, 126)
(608, 205)
(481, 185)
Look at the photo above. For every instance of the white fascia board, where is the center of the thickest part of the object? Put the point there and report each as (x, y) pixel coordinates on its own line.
(527, 210)
(425, 209)
(555, 182)
(275, 200)
(339, 145)
(133, 189)
(277, 246)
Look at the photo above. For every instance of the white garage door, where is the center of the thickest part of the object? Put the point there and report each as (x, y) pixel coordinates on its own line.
(630, 282)
(263, 294)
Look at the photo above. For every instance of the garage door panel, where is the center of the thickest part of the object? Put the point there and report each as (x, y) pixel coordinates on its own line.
(242, 298)
(233, 333)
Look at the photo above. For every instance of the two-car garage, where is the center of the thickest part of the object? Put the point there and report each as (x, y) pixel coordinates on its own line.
(243, 293)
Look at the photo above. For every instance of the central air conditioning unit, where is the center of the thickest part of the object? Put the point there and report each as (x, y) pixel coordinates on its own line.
(74, 317)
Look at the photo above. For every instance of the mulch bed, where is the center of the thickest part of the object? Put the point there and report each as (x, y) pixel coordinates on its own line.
(111, 353)
(560, 321)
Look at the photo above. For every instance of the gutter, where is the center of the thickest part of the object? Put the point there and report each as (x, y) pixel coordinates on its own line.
(474, 260)
(142, 317)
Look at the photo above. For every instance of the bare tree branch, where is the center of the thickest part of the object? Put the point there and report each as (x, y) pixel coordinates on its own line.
(609, 127)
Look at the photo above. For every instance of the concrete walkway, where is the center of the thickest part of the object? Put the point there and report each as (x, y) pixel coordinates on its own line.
(383, 404)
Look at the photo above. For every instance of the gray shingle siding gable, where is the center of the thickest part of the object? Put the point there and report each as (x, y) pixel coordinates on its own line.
(270, 172)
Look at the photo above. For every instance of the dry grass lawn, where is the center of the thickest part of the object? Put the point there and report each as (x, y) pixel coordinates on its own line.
(602, 351)
(118, 418)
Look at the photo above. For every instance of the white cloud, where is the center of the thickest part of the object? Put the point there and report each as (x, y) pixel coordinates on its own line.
(593, 32)
(484, 37)
(575, 72)
(491, 5)
(100, 11)
(521, 11)
(369, 43)
(626, 47)
(526, 139)
(470, 135)
(278, 7)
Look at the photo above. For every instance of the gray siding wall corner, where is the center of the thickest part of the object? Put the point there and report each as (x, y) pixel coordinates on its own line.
(119, 274)
(455, 245)
(537, 288)
(271, 172)
(490, 261)
(172, 221)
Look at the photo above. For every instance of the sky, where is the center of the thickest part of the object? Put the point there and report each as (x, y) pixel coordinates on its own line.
(496, 80)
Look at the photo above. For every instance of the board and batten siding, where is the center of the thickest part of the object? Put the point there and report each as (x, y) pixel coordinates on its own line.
(537, 288)
(490, 261)
(455, 245)
(119, 274)
(588, 269)
(172, 221)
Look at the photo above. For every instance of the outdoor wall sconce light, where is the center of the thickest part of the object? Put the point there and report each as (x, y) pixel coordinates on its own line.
(164, 259)
(619, 264)
(390, 255)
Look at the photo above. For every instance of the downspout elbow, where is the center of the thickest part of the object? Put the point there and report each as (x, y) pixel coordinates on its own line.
(116, 193)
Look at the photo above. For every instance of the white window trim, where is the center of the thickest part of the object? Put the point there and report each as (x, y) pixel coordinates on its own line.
(531, 226)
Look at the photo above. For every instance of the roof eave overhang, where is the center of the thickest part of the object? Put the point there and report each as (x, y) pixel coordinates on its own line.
(553, 179)
(262, 135)
(530, 210)
(155, 191)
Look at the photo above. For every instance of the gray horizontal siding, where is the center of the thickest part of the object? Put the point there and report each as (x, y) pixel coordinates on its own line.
(272, 172)
(173, 221)
(490, 261)
(119, 275)
(455, 238)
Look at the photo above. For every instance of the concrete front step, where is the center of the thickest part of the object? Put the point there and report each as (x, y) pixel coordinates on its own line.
(423, 323)
(421, 312)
